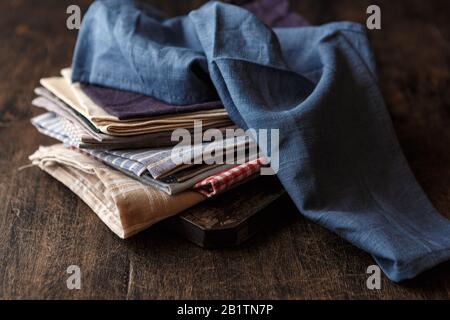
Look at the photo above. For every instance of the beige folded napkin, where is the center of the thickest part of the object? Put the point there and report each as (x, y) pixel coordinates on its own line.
(125, 205)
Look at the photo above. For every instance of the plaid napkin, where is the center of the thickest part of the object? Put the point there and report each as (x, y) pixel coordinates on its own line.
(225, 180)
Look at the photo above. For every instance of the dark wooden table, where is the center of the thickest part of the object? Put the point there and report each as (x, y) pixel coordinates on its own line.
(44, 228)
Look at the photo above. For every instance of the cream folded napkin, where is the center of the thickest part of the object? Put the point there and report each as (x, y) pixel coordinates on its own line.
(125, 205)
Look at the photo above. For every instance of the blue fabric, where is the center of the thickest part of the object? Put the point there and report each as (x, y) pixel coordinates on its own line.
(340, 160)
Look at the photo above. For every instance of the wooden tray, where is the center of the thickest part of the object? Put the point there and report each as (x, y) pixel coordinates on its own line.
(232, 217)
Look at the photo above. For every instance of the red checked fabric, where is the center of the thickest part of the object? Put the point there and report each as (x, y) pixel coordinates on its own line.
(227, 179)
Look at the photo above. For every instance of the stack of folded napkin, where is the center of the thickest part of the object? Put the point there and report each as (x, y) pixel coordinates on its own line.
(340, 161)
(118, 155)
(117, 146)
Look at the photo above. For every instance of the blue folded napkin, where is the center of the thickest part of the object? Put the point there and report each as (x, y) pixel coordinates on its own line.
(340, 160)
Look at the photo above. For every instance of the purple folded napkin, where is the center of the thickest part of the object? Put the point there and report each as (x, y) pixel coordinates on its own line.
(129, 105)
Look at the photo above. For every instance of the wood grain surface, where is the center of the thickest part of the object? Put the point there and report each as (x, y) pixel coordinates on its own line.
(44, 228)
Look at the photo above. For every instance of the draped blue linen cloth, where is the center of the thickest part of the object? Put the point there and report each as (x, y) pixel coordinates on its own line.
(340, 160)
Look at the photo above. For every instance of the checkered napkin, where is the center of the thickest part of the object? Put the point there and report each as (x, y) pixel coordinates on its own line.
(230, 178)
